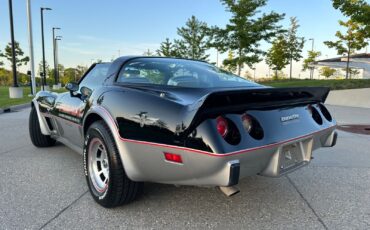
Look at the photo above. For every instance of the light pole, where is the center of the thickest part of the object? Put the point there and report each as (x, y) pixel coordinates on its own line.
(30, 41)
(313, 43)
(43, 46)
(15, 91)
(254, 74)
(55, 61)
(312, 68)
(57, 38)
(14, 64)
(217, 57)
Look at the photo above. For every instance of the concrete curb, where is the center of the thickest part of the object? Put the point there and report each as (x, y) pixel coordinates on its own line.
(350, 97)
(15, 108)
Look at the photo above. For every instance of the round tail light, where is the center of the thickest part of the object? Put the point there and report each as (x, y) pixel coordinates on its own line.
(315, 114)
(247, 122)
(325, 112)
(222, 127)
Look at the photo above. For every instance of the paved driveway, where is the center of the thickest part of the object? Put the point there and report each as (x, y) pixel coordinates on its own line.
(45, 188)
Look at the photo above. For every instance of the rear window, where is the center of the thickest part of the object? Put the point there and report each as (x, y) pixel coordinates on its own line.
(178, 72)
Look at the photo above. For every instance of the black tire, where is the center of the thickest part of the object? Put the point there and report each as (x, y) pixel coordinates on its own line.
(119, 189)
(38, 139)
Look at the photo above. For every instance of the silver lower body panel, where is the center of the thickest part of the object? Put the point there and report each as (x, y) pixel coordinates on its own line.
(145, 161)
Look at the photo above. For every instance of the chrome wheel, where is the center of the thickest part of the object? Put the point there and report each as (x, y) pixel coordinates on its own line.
(98, 165)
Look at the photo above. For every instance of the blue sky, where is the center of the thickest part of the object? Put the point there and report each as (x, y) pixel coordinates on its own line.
(97, 29)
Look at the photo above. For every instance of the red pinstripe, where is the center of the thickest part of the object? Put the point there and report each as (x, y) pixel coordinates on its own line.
(205, 152)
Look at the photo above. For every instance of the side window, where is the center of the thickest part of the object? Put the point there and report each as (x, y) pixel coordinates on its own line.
(138, 72)
(95, 78)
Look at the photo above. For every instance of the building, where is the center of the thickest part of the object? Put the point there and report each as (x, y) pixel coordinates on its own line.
(359, 62)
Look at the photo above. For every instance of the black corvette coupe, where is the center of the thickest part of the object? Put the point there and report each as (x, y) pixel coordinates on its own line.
(179, 121)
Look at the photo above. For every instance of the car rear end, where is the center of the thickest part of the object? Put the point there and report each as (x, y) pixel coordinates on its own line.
(268, 142)
(239, 133)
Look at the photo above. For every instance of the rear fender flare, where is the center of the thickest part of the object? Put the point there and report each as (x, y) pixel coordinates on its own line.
(110, 122)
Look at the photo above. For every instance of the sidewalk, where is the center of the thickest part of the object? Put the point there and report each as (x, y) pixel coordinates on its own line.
(350, 115)
(350, 97)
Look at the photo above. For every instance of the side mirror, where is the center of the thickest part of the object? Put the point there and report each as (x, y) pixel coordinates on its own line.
(86, 92)
(72, 87)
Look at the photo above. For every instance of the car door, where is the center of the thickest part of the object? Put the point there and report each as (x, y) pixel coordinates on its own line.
(71, 107)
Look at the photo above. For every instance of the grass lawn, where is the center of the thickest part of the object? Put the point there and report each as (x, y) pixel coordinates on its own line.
(332, 84)
(5, 101)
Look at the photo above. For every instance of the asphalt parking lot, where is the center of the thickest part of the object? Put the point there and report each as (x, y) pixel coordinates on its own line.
(45, 188)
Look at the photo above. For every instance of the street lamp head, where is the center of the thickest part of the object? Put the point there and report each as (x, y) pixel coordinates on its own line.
(58, 37)
(56, 28)
(45, 8)
(311, 39)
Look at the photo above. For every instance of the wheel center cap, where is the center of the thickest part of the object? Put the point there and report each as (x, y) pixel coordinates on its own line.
(105, 163)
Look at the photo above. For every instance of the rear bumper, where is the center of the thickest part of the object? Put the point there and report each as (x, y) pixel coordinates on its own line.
(145, 161)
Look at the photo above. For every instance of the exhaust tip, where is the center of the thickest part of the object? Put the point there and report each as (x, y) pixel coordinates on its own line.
(230, 190)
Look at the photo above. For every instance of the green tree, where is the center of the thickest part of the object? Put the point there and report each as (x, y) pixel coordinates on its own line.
(295, 44)
(23, 78)
(72, 74)
(80, 71)
(51, 72)
(353, 72)
(278, 55)
(180, 49)
(327, 72)
(357, 10)
(1, 63)
(148, 52)
(69, 75)
(61, 67)
(248, 75)
(229, 64)
(352, 40)
(245, 30)
(310, 60)
(19, 58)
(166, 49)
(47, 69)
(194, 39)
(5, 77)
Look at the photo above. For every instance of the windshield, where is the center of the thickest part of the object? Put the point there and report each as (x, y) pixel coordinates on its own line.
(178, 72)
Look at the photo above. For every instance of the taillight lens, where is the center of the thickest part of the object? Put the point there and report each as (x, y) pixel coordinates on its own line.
(222, 127)
(252, 126)
(247, 122)
(173, 157)
(315, 114)
(309, 108)
(325, 112)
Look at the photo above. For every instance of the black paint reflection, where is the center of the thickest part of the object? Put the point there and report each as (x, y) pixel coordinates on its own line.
(144, 128)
